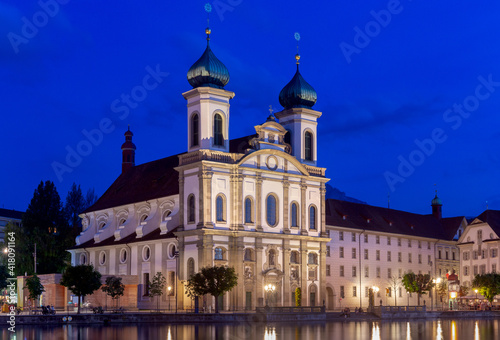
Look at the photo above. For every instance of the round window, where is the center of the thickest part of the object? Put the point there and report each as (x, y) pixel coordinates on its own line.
(172, 249)
(146, 253)
(102, 258)
(123, 255)
(83, 259)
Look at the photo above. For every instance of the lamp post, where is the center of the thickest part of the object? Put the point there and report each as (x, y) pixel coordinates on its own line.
(169, 289)
(475, 290)
(269, 288)
(436, 282)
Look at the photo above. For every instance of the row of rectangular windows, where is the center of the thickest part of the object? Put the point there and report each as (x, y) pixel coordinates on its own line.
(479, 269)
(377, 255)
(367, 290)
(367, 272)
(377, 240)
(483, 253)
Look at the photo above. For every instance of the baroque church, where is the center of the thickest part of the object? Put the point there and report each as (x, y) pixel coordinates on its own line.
(258, 204)
(255, 203)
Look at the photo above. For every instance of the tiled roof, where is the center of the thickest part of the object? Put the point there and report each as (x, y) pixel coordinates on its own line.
(451, 225)
(371, 218)
(132, 238)
(492, 217)
(151, 180)
(17, 215)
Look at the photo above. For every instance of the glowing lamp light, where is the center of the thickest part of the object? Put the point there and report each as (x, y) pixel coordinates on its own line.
(453, 295)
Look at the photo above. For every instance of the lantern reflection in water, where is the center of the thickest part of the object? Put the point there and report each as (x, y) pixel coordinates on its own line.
(376, 332)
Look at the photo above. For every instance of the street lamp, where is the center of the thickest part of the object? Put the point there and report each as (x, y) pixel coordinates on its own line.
(169, 289)
(436, 282)
(269, 288)
(176, 255)
(475, 290)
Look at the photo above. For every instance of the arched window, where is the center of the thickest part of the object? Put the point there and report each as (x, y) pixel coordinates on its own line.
(123, 255)
(190, 267)
(312, 258)
(294, 214)
(312, 218)
(272, 257)
(248, 210)
(308, 146)
(271, 210)
(191, 207)
(83, 259)
(218, 134)
(249, 254)
(194, 130)
(219, 254)
(219, 208)
(146, 253)
(294, 257)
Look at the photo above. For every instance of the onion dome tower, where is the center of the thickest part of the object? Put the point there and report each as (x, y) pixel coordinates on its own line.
(208, 101)
(297, 98)
(298, 93)
(128, 151)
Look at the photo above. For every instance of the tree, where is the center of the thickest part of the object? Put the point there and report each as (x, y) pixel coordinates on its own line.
(4, 274)
(488, 285)
(114, 288)
(394, 284)
(463, 291)
(214, 281)
(35, 287)
(417, 283)
(298, 297)
(157, 286)
(90, 198)
(82, 280)
(442, 291)
(43, 224)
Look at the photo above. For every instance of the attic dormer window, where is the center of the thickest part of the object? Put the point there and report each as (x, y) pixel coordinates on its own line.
(144, 217)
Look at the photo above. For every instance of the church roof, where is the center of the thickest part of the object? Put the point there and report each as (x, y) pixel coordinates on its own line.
(151, 180)
(451, 225)
(378, 219)
(110, 241)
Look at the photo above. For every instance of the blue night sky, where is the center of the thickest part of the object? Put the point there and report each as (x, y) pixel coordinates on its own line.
(431, 70)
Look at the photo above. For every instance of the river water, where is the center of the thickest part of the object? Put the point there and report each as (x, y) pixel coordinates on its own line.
(462, 329)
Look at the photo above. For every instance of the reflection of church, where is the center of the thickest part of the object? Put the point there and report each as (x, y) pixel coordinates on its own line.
(255, 203)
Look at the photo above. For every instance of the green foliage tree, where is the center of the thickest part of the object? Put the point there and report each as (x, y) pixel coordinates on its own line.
(35, 287)
(488, 285)
(298, 297)
(114, 288)
(90, 198)
(43, 224)
(214, 281)
(157, 287)
(82, 280)
(417, 283)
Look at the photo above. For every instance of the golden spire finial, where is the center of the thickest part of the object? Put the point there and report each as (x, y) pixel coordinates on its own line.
(208, 9)
(297, 56)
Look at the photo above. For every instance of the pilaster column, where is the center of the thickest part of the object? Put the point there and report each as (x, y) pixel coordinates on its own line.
(303, 272)
(322, 274)
(303, 208)
(182, 211)
(322, 205)
(205, 199)
(180, 272)
(237, 249)
(259, 278)
(236, 182)
(286, 278)
(258, 202)
(286, 205)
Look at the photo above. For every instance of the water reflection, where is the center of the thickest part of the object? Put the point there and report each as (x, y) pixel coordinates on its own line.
(338, 330)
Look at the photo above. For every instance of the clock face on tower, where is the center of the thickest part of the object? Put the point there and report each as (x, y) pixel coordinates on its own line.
(272, 163)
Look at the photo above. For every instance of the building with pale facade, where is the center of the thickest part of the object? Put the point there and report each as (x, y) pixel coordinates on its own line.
(479, 246)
